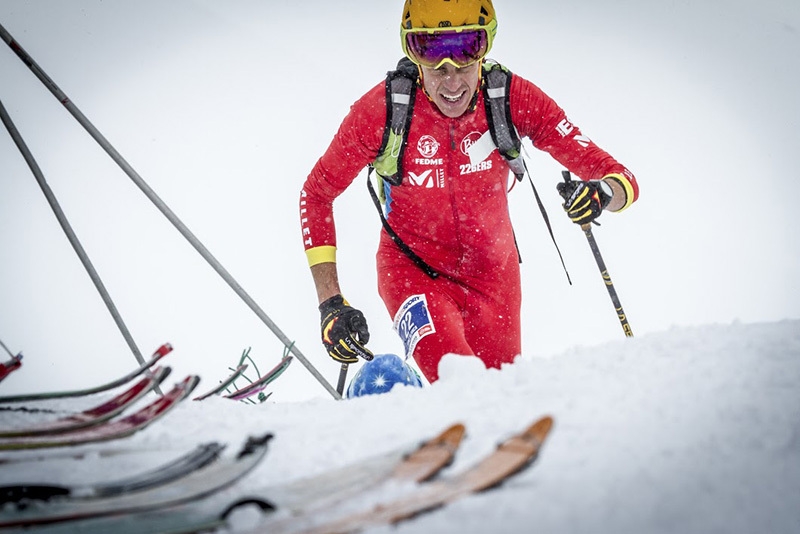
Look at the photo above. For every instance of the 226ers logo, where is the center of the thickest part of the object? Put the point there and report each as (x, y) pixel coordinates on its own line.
(428, 146)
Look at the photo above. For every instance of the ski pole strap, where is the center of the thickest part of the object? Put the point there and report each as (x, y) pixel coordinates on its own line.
(419, 262)
(547, 223)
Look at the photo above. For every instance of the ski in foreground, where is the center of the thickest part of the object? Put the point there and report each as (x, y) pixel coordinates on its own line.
(510, 457)
(27, 492)
(194, 485)
(302, 497)
(324, 503)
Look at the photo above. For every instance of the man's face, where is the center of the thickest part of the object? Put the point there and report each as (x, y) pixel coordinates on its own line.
(451, 88)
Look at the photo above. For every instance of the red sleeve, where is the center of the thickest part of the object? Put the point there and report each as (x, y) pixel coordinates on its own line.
(538, 117)
(354, 146)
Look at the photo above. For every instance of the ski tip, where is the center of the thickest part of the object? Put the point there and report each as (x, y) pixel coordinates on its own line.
(254, 444)
(158, 374)
(452, 436)
(430, 456)
(188, 385)
(539, 430)
(163, 350)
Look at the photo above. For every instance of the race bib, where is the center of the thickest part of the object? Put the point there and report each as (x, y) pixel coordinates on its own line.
(413, 322)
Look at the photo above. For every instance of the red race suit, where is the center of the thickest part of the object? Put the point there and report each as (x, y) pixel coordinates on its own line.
(452, 210)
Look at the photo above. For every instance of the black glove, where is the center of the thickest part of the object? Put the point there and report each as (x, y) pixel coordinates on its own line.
(344, 331)
(584, 201)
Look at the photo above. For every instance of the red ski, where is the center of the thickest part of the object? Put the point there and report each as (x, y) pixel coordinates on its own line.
(96, 415)
(8, 367)
(162, 351)
(110, 429)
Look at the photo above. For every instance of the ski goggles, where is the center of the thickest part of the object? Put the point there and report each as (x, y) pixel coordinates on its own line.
(459, 46)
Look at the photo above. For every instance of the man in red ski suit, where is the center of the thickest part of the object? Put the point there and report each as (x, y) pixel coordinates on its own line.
(451, 208)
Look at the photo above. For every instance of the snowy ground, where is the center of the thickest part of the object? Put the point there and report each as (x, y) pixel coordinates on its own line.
(689, 430)
(223, 111)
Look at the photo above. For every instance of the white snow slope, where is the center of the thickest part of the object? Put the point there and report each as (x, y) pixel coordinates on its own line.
(689, 430)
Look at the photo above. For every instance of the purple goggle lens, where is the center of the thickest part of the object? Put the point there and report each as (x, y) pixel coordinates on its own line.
(462, 48)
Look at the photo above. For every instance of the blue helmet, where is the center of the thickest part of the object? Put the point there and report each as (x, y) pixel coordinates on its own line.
(380, 375)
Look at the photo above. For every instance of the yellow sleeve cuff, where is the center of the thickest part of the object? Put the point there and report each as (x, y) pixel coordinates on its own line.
(324, 254)
(626, 185)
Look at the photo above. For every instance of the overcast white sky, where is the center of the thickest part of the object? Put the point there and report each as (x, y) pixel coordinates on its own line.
(224, 108)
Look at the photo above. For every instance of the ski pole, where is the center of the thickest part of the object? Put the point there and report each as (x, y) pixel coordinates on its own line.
(162, 207)
(623, 319)
(73, 239)
(342, 379)
(1, 341)
(587, 230)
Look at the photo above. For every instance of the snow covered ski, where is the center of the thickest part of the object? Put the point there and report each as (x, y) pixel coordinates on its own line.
(224, 384)
(110, 429)
(96, 415)
(162, 351)
(197, 484)
(511, 456)
(198, 458)
(259, 385)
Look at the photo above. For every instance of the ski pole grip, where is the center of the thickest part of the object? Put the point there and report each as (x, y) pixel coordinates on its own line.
(567, 188)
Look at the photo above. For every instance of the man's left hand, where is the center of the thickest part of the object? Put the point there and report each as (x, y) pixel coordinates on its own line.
(585, 201)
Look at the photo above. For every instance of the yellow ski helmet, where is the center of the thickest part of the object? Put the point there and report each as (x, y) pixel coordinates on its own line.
(460, 32)
(418, 14)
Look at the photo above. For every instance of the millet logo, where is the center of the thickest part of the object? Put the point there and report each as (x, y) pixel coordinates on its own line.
(428, 179)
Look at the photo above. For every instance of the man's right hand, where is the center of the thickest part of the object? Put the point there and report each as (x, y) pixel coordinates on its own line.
(344, 331)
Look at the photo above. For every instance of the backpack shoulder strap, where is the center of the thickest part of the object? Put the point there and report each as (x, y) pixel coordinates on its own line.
(496, 89)
(401, 85)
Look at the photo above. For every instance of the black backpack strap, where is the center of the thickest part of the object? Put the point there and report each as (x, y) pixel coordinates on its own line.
(419, 262)
(496, 90)
(401, 86)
